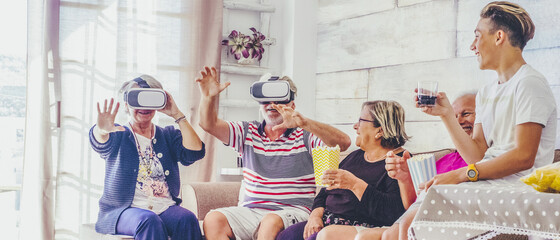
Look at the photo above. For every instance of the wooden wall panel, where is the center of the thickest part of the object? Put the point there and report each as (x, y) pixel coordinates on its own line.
(421, 32)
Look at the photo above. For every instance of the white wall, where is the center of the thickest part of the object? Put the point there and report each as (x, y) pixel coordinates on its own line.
(379, 49)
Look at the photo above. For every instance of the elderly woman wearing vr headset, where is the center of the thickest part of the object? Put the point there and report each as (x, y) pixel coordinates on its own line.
(142, 182)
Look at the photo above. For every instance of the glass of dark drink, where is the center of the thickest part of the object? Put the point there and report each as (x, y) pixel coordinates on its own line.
(427, 93)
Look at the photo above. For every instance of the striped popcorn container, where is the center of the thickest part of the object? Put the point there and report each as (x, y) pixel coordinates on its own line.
(324, 158)
(422, 168)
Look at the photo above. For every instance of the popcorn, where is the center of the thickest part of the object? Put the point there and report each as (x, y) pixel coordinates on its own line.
(545, 179)
(422, 168)
(324, 158)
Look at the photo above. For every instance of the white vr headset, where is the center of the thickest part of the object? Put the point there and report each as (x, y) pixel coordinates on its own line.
(271, 90)
(145, 97)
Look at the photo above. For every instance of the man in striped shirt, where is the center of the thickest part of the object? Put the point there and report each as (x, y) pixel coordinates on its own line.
(279, 186)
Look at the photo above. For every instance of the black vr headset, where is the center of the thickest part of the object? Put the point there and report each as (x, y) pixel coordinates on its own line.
(272, 90)
(145, 97)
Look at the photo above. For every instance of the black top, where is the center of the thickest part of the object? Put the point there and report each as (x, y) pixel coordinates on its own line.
(381, 202)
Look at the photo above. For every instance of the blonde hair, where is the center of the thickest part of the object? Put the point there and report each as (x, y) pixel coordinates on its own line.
(389, 115)
(512, 19)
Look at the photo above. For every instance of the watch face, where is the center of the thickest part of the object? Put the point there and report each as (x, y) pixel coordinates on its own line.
(471, 173)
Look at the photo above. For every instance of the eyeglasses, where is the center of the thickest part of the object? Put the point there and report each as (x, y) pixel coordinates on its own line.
(364, 120)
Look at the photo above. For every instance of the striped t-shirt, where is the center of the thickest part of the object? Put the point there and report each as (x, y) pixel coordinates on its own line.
(278, 174)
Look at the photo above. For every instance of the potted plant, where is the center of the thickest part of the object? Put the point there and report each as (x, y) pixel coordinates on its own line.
(245, 48)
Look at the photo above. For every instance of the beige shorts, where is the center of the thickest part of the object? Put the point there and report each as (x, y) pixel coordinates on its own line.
(244, 221)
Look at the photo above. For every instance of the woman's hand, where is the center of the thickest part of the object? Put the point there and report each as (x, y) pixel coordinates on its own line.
(106, 118)
(452, 177)
(442, 108)
(171, 108)
(314, 224)
(291, 118)
(339, 178)
(397, 167)
(208, 84)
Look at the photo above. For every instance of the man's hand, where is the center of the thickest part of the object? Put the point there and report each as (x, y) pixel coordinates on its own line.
(314, 224)
(397, 167)
(209, 84)
(442, 108)
(291, 118)
(452, 177)
(106, 118)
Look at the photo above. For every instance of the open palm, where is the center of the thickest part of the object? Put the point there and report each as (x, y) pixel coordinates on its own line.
(208, 84)
(290, 117)
(106, 117)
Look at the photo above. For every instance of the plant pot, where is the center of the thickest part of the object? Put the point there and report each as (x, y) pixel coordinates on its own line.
(246, 61)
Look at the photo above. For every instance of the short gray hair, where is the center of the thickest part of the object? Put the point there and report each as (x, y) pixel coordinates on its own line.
(151, 81)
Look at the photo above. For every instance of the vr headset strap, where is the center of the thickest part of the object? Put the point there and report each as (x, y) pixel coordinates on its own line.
(141, 82)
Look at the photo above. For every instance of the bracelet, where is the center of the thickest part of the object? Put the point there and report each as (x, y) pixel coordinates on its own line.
(179, 119)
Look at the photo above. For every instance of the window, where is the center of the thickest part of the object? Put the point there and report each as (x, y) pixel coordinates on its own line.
(13, 50)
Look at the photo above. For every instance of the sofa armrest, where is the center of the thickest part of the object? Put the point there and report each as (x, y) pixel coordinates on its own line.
(201, 197)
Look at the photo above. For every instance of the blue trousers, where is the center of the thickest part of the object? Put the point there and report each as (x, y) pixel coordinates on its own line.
(176, 222)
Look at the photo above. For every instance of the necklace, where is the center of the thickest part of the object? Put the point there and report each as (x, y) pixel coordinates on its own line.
(146, 157)
(382, 156)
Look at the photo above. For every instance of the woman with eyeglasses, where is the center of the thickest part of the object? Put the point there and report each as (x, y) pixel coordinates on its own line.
(360, 194)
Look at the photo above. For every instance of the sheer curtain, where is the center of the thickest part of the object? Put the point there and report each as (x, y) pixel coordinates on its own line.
(97, 45)
(37, 202)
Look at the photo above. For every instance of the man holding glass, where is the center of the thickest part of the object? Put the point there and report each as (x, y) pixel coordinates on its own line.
(515, 127)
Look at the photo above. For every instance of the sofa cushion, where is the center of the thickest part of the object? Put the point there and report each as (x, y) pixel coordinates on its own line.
(209, 195)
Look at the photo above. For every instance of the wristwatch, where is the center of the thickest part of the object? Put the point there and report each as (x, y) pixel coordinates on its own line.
(472, 173)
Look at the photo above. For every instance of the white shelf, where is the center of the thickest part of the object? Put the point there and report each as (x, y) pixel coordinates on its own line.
(268, 41)
(248, 6)
(243, 69)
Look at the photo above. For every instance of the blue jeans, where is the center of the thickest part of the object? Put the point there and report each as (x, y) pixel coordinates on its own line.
(176, 222)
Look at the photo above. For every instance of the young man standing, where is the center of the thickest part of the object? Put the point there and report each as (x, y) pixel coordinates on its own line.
(279, 186)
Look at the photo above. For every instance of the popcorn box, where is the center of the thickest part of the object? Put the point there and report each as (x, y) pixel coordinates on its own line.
(324, 158)
(422, 168)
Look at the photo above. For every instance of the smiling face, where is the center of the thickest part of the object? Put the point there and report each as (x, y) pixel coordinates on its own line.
(367, 133)
(484, 44)
(464, 108)
(271, 116)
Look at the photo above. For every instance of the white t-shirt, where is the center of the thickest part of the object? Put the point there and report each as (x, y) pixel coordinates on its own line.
(526, 97)
(152, 192)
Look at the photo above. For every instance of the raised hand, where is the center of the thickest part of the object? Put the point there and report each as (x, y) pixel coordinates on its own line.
(171, 108)
(291, 118)
(397, 167)
(208, 84)
(106, 118)
(442, 107)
